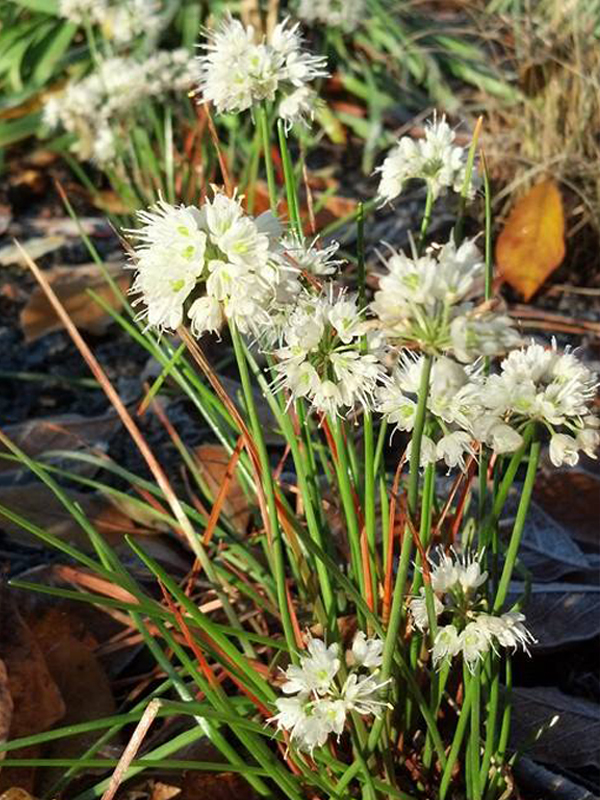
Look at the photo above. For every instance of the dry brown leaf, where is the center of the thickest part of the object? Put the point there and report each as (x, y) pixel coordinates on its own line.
(38, 703)
(555, 491)
(71, 284)
(68, 648)
(212, 462)
(6, 707)
(61, 432)
(38, 504)
(36, 247)
(15, 793)
(224, 786)
(532, 243)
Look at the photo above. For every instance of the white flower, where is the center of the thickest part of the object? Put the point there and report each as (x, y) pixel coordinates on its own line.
(319, 707)
(436, 159)
(474, 335)
(564, 450)
(458, 269)
(470, 576)
(325, 331)
(453, 447)
(98, 108)
(418, 609)
(507, 630)
(588, 439)
(427, 453)
(299, 106)
(422, 301)
(555, 389)
(206, 314)
(211, 264)
(345, 14)
(310, 257)
(367, 652)
(450, 572)
(316, 670)
(361, 694)
(236, 72)
(444, 572)
(474, 643)
(446, 645)
(310, 721)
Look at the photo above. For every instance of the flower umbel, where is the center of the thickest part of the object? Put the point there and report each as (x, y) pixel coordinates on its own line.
(237, 72)
(435, 159)
(320, 704)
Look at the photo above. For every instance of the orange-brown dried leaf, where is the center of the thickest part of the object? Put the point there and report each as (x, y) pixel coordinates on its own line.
(532, 243)
(36, 698)
(213, 461)
(71, 284)
(68, 648)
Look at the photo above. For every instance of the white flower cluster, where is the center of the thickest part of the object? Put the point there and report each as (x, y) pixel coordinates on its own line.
(95, 107)
(236, 72)
(435, 159)
(344, 14)
(454, 405)
(556, 389)
(122, 20)
(322, 358)
(455, 581)
(319, 704)
(207, 264)
(423, 301)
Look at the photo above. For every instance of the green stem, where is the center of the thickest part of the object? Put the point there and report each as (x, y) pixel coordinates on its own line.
(267, 482)
(517, 532)
(501, 495)
(457, 741)
(397, 608)
(490, 723)
(342, 468)
(426, 219)
(474, 739)
(290, 181)
(263, 121)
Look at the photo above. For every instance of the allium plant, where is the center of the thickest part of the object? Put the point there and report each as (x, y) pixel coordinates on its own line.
(359, 643)
(428, 357)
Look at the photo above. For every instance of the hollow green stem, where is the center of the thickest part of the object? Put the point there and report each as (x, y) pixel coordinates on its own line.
(426, 220)
(342, 468)
(267, 482)
(517, 532)
(397, 609)
(263, 121)
(290, 181)
(459, 734)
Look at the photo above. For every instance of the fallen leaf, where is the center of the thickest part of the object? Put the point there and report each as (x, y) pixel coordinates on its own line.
(560, 614)
(223, 786)
(61, 432)
(111, 202)
(555, 491)
(545, 783)
(15, 793)
(68, 648)
(548, 550)
(212, 461)
(37, 700)
(531, 245)
(38, 504)
(6, 707)
(35, 248)
(573, 742)
(70, 285)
